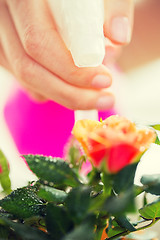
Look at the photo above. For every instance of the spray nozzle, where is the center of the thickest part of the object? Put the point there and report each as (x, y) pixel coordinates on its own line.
(80, 23)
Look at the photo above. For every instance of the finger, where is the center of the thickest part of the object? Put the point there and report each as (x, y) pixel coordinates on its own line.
(112, 52)
(40, 80)
(118, 20)
(36, 97)
(42, 42)
(3, 61)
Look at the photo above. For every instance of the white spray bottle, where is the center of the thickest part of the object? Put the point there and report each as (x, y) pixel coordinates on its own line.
(80, 24)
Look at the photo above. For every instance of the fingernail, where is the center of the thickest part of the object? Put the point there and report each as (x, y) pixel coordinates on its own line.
(120, 29)
(101, 81)
(105, 102)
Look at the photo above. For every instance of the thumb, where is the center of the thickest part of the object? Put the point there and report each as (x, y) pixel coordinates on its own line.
(118, 20)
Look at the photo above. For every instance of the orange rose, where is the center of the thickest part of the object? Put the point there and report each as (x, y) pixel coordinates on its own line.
(113, 143)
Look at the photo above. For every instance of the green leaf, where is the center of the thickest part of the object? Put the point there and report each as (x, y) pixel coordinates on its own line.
(58, 222)
(4, 232)
(150, 179)
(74, 155)
(157, 141)
(51, 194)
(54, 170)
(120, 227)
(114, 231)
(124, 179)
(93, 177)
(156, 126)
(35, 221)
(151, 211)
(78, 202)
(23, 203)
(3, 213)
(117, 205)
(151, 183)
(84, 231)
(107, 180)
(4, 175)
(24, 231)
(138, 190)
(125, 223)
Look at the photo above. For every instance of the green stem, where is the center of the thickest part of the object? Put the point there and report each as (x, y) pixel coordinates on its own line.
(118, 235)
(107, 181)
(138, 229)
(149, 225)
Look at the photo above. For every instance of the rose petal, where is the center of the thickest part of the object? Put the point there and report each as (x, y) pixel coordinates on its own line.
(120, 156)
(97, 152)
(114, 142)
(1, 170)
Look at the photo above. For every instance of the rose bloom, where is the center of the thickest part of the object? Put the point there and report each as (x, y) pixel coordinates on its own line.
(113, 143)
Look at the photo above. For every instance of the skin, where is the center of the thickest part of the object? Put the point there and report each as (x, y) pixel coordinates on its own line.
(46, 70)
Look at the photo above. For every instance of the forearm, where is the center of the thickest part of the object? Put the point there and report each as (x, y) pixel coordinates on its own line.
(145, 44)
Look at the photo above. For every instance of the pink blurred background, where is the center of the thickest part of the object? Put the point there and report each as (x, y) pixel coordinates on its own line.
(39, 128)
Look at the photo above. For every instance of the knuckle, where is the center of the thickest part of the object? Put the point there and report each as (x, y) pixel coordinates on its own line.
(80, 77)
(75, 102)
(73, 74)
(81, 106)
(68, 99)
(31, 39)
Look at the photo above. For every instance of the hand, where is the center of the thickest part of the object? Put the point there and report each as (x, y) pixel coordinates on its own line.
(31, 48)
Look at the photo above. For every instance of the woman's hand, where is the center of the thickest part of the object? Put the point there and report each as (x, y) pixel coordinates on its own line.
(31, 49)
